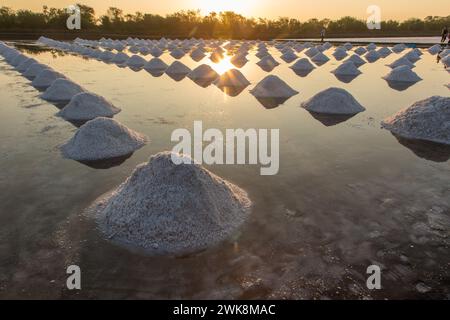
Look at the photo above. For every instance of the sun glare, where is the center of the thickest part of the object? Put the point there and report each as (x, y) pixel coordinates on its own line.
(238, 6)
(222, 66)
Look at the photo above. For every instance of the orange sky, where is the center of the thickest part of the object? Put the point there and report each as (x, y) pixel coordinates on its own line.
(302, 9)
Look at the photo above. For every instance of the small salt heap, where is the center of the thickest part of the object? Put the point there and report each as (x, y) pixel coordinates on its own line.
(384, 52)
(25, 65)
(61, 90)
(311, 52)
(18, 59)
(34, 70)
(412, 56)
(177, 53)
(177, 71)
(360, 51)
(155, 64)
(320, 59)
(357, 60)
(273, 87)
(347, 68)
(268, 63)
(203, 75)
(427, 120)
(289, 56)
(120, 58)
(340, 53)
(372, 47)
(401, 62)
(399, 48)
(434, 50)
(302, 65)
(87, 106)
(402, 74)
(102, 138)
(348, 46)
(45, 78)
(333, 101)
(372, 56)
(136, 62)
(198, 54)
(156, 52)
(239, 60)
(166, 208)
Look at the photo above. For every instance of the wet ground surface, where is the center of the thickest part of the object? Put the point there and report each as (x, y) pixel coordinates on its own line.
(348, 194)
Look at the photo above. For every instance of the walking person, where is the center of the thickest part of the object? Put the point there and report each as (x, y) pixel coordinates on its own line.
(444, 34)
(322, 35)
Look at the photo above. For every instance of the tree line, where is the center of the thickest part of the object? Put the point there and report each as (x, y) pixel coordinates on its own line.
(191, 23)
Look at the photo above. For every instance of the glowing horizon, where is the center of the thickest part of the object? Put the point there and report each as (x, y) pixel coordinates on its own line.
(300, 9)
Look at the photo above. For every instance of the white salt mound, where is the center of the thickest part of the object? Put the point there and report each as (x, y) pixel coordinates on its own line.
(268, 61)
(136, 62)
(273, 87)
(177, 68)
(384, 52)
(102, 138)
(156, 64)
(165, 208)
(435, 49)
(360, 51)
(372, 56)
(120, 58)
(357, 60)
(61, 90)
(446, 61)
(311, 52)
(302, 65)
(203, 72)
(402, 74)
(87, 106)
(25, 65)
(34, 70)
(320, 57)
(428, 119)
(348, 68)
(333, 101)
(401, 62)
(232, 78)
(340, 53)
(45, 78)
(398, 48)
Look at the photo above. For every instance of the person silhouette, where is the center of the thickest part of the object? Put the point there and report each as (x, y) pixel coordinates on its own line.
(322, 35)
(444, 34)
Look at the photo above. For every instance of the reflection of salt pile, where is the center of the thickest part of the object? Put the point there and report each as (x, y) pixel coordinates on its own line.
(86, 106)
(273, 87)
(102, 138)
(348, 68)
(428, 119)
(45, 78)
(232, 78)
(172, 209)
(61, 90)
(302, 65)
(402, 74)
(401, 62)
(333, 101)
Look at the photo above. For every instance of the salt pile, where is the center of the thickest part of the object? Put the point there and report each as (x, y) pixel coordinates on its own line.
(348, 68)
(371, 47)
(177, 53)
(401, 62)
(102, 138)
(428, 120)
(435, 49)
(177, 71)
(289, 56)
(45, 78)
(333, 101)
(311, 52)
(384, 52)
(446, 61)
(402, 74)
(232, 78)
(348, 46)
(156, 52)
(61, 90)
(273, 87)
(399, 48)
(87, 106)
(320, 58)
(155, 64)
(165, 208)
(18, 59)
(106, 56)
(357, 60)
(340, 53)
(34, 70)
(136, 62)
(203, 73)
(360, 51)
(302, 65)
(198, 54)
(25, 65)
(268, 63)
(372, 56)
(120, 58)
(412, 56)
(239, 60)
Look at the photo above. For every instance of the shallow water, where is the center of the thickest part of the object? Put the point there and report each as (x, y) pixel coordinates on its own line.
(347, 196)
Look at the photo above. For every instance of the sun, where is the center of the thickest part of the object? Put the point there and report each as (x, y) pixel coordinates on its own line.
(239, 6)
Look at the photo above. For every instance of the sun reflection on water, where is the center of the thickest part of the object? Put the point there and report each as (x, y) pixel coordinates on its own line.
(223, 66)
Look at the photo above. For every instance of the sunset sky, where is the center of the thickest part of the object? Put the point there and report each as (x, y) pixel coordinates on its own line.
(302, 9)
